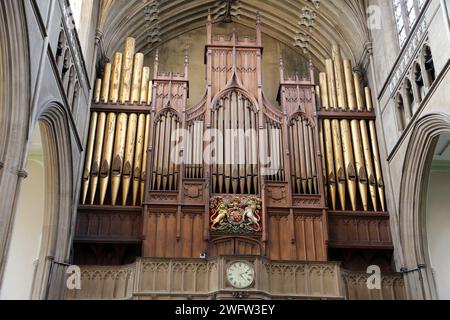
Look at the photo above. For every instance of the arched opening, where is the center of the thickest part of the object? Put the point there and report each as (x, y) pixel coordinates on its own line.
(438, 216)
(27, 234)
(401, 112)
(424, 224)
(410, 100)
(429, 65)
(418, 79)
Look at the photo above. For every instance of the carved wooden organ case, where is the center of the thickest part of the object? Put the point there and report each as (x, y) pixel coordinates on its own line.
(290, 182)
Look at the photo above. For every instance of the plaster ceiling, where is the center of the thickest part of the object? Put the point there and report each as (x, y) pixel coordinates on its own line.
(335, 21)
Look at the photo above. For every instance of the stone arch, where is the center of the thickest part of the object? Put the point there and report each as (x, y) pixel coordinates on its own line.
(14, 113)
(55, 233)
(412, 209)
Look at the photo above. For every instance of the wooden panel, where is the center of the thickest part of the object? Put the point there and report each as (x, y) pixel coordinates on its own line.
(359, 230)
(307, 242)
(169, 235)
(234, 246)
(108, 224)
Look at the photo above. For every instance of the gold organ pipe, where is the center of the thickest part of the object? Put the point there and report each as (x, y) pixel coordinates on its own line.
(97, 90)
(358, 91)
(339, 162)
(96, 159)
(349, 162)
(145, 155)
(140, 139)
(107, 155)
(118, 155)
(89, 155)
(130, 147)
(145, 85)
(324, 90)
(127, 70)
(375, 150)
(136, 82)
(349, 85)
(106, 83)
(115, 78)
(359, 163)
(377, 164)
(369, 164)
(339, 75)
(332, 99)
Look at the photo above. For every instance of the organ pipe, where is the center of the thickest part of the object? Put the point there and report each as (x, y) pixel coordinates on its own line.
(89, 155)
(97, 90)
(130, 146)
(352, 161)
(115, 78)
(106, 83)
(96, 160)
(116, 153)
(127, 69)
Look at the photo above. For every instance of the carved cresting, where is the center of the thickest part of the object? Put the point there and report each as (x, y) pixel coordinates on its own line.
(237, 215)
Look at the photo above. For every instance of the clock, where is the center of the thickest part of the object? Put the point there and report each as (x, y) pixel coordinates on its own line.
(240, 274)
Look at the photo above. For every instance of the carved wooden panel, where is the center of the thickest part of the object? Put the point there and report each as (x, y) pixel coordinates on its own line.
(193, 192)
(277, 195)
(364, 230)
(113, 224)
(169, 234)
(299, 237)
(234, 246)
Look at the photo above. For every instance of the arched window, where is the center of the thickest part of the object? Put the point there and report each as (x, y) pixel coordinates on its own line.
(65, 65)
(75, 97)
(418, 80)
(60, 49)
(401, 116)
(410, 100)
(69, 85)
(406, 13)
(429, 65)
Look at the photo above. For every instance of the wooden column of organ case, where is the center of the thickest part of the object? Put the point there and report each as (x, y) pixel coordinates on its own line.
(319, 197)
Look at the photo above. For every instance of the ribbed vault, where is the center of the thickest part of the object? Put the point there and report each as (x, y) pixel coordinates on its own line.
(336, 21)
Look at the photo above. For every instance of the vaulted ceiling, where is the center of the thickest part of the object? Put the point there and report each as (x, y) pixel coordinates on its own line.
(317, 23)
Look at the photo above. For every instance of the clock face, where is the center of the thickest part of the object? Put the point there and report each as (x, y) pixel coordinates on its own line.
(240, 275)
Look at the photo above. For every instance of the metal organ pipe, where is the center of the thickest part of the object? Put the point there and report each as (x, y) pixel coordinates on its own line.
(350, 146)
(116, 154)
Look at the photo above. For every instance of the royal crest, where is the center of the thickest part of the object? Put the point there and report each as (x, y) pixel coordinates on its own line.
(233, 214)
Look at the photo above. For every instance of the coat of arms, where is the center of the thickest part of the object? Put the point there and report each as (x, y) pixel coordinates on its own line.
(234, 214)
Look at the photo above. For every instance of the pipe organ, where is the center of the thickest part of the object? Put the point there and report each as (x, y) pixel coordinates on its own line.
(115, 164)
(233, 174)
(235, 170)
(353, 171)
